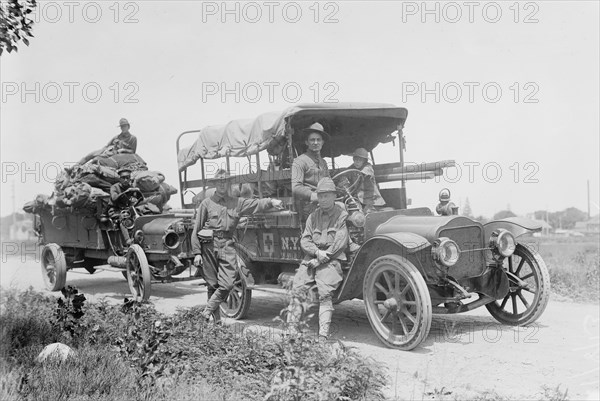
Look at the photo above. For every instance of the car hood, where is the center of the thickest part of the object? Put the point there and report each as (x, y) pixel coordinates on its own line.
(428, 227)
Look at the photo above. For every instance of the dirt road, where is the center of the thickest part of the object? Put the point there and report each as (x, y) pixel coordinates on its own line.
(463, 356)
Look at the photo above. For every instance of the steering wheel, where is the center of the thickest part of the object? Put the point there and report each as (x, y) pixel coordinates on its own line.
(133, 196)
(347, 182)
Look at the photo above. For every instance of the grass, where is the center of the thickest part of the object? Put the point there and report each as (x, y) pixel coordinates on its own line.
(132, 352)
(574, 266)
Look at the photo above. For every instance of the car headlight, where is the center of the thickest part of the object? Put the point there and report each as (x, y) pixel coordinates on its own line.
(445, 251)
(171, 239)
(503, 241)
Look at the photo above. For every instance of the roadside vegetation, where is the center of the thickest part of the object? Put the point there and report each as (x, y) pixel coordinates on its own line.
(574, 267)
(132, 352)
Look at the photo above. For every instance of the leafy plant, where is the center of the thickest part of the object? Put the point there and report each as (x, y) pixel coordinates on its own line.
(15, 24)
(144, 347)
(68, 312)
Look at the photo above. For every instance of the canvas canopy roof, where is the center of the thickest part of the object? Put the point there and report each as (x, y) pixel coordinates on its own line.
(351, 125)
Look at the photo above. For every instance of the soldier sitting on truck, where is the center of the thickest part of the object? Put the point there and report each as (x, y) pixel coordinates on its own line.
(323, 241)
(308, 169)
(122, 196)
(368, 194)
(125, 142)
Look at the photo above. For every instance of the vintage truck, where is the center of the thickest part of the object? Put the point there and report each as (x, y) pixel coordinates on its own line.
(411, 263)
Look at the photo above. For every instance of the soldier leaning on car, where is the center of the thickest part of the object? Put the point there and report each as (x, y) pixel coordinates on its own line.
(308, 169)
(221, 213)
(323, 241)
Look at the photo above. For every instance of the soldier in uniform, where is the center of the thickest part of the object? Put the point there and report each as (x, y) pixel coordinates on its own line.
(221, 213)
(308, 169)
(125, 142)
(368, 194)
(323, 241)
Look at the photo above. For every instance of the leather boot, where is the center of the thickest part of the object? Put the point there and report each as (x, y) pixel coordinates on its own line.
(325, 313)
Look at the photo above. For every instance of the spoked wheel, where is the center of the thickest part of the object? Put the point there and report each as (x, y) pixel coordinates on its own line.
(238, 302)
(54, 267)
(138, 273)
(529, 289)
(397, 302)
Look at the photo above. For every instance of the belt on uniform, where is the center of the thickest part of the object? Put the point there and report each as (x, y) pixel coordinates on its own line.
(222, 234)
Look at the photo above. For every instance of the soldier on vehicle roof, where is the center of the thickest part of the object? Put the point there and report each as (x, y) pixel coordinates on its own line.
(323, 241)
(220, 213)
(125, 142)
(308, 169)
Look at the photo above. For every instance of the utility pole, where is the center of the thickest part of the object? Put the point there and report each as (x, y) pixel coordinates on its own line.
(588, 198)
(14, 203)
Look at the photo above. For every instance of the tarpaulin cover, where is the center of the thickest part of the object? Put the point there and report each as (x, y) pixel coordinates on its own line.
(351, 125)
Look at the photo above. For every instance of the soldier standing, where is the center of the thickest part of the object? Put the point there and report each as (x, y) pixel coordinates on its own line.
(324, 241)
(221, 213)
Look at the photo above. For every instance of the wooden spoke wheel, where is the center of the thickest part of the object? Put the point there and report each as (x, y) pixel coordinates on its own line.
(54, 267)
(138, 273)
(238, 302)
(529, 289)
(397, 302)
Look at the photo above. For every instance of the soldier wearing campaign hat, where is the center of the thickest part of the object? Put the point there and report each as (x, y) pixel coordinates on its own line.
(308, 169)
(125, 141)
(323, 242)
(368, 194)
(212, 238)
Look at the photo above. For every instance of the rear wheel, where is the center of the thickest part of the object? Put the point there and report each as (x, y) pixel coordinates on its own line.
(138, 273)
(529, 289)
(397, 302)
(238, 302)
(54, 267)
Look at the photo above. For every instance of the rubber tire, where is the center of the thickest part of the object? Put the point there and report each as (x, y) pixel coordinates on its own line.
(52, 253)
(541, 298)
(422, 300)
(141, 288)
(240, 293)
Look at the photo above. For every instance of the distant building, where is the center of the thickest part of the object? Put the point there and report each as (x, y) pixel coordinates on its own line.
(590, 227)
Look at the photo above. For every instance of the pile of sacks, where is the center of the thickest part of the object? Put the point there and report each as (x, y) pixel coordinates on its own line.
(81, 186)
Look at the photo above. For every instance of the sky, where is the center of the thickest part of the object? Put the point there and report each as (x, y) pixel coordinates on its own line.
(509, 90)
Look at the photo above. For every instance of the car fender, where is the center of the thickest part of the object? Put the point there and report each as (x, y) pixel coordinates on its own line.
(516, 225)
(401, 243)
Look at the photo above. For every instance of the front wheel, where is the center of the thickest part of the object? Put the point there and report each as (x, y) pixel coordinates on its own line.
(54, 267)
(138, 273)
(529, 289)
(237, 304)
(397, 302)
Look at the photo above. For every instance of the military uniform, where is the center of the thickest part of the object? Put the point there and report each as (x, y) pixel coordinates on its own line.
(307, 170)
(219, 259)
(325, 231)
